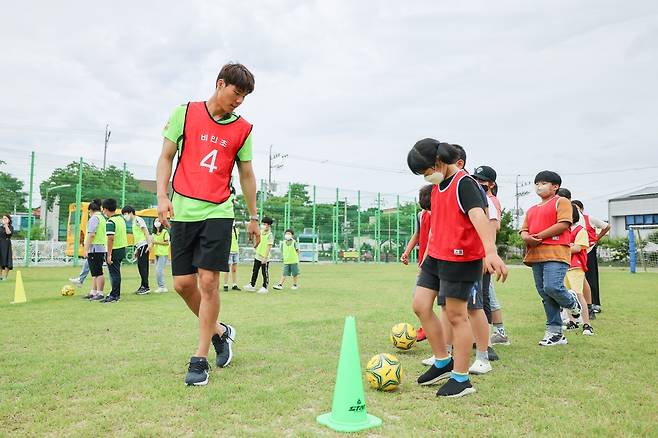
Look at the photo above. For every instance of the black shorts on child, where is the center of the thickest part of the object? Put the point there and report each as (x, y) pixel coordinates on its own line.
(95, 261)
(451, 279)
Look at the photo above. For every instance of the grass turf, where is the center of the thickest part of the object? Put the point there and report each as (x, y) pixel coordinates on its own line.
(74, 368)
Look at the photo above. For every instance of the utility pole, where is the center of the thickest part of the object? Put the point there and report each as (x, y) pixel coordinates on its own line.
(273, 165)
(519, 194)
(107, 140)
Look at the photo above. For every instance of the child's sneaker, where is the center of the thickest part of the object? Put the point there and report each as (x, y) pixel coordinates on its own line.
(143, 291)
(277, 287)
(498, 338)
(553, 339)
(480, 367)
(97, 297)
(235, 287)
(262, 290)
(76, 281)
(570, 325)
(434, 374)
(294, 287)
(588, 330)
(577, 309)
(226, 288)
(224, 345)
(596, 308)
(453, 388)
(249, 288)
(429, 361)
(161, 290)
(197, 372)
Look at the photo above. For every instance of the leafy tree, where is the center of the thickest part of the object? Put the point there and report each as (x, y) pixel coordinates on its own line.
(11, 193)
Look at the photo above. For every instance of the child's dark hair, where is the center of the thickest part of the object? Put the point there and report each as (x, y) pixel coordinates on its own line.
(578, 204)
(565, 193)
(575, 215)
(289, 230)
(8, 217)
(238, 75)
(425, 197)
(425, 153)
(548, 176)
(158, 229)
(127, 209)
(109, 204)
(461, 153)
(95, 205)
(267, 220)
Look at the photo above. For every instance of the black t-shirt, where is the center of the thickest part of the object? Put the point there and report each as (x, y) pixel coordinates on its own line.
(470, 196)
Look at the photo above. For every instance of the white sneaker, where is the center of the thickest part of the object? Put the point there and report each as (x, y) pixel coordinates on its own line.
(76, 281)
(249, 288)
(429, 361)
(294, 287)
(480, 367)
(277, 287)
(263, 290)
(161, 290)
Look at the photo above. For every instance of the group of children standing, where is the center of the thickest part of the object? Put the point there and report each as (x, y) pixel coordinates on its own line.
(106, 241)
(456, 233)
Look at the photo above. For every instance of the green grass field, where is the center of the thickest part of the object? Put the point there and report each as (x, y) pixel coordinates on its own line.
(73, 368)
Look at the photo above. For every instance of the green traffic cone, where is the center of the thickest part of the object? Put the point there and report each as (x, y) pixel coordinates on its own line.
(348, 410)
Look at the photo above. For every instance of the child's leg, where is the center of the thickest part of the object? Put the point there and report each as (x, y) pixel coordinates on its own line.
(100, 284)
(445, 325)
(587, 291)
(480, 328)
(254, 273)
(225, 278)
(234, 273)
(551, 307)
(457, 312)
(265, 267)
(423, 307)
(575, 280)
(294, 280)
(554, 273)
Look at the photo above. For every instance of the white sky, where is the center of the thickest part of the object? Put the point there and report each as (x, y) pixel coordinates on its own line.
(524, 86)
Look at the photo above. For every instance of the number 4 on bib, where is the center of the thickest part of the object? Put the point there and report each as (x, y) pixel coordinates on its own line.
(209, 161)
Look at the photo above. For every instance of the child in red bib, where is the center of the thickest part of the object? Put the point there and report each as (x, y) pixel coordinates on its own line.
(546, 233)
(575, 278)
(460, 245)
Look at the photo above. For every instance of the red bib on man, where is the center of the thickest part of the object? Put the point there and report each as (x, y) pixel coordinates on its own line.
(541, 217)
(578, 259)
(207, 155)
(453, 236)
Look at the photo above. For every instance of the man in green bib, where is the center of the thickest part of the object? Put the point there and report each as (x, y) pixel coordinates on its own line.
(210, 140)
(117, 241)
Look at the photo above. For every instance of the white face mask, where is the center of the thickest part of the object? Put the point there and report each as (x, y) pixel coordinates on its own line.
(288, 236)
(126, 217)
(434, 178)
(156, 224)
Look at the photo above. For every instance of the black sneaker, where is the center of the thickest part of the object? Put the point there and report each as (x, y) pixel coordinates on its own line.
(197, 372)
(99, 297)
(224, 346)
(235, 287)
(492, 354)
(453, 388)
(89, 296)
(553, 339)
(592, 314)
(110, 299)
(226, 288)
(577, 309)
(596, 308)
(588, 330)
(139, 289)
(434, 374)
(143, 291)
(571, 325)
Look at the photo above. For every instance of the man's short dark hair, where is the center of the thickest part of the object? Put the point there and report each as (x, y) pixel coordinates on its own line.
(95, 205)
(565, 193)
(425, 197)
(109, 204)
(548, 176)
(127, 209)
(237, 75)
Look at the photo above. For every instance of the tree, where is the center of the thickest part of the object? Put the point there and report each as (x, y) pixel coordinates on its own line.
(12, 196)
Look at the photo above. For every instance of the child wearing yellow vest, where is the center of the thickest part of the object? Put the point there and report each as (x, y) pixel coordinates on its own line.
(143, 242)
(117, 241)
(96, 250)
(233, 260)
(262, 257)
(161, 245)
(290, 252)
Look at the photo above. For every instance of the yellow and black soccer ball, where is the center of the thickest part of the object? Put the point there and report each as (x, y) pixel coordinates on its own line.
(403, 336)
(384, 372)
(68, 291)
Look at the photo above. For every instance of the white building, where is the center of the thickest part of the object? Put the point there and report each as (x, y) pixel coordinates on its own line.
(636, 208)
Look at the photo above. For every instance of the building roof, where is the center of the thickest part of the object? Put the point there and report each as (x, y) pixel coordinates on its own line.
(647, 192)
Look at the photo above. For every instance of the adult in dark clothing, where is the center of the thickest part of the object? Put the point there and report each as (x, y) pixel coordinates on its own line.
(6, 257)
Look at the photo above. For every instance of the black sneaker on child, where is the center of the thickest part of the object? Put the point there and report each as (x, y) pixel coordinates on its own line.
(197, 372)
(552, 339)
(434, 374)
(453, 388)
(224, 346)
(235, 287)
(109, 299)
(492, 354)
(88, 296)
(226, 288)
(571, 325)
(143, 291)
(577, 309)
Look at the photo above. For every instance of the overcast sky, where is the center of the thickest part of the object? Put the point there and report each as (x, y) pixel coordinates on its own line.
(522, 85)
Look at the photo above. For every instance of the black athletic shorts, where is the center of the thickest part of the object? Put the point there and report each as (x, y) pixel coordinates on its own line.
(472, 291)
(203, 244)
(95, 261)
(429, 278)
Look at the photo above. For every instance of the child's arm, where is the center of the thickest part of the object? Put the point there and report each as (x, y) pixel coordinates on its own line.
(267, 253)
(410, 246)
(575, 249)
(492, 262)
(88, 239)
(553, 230)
